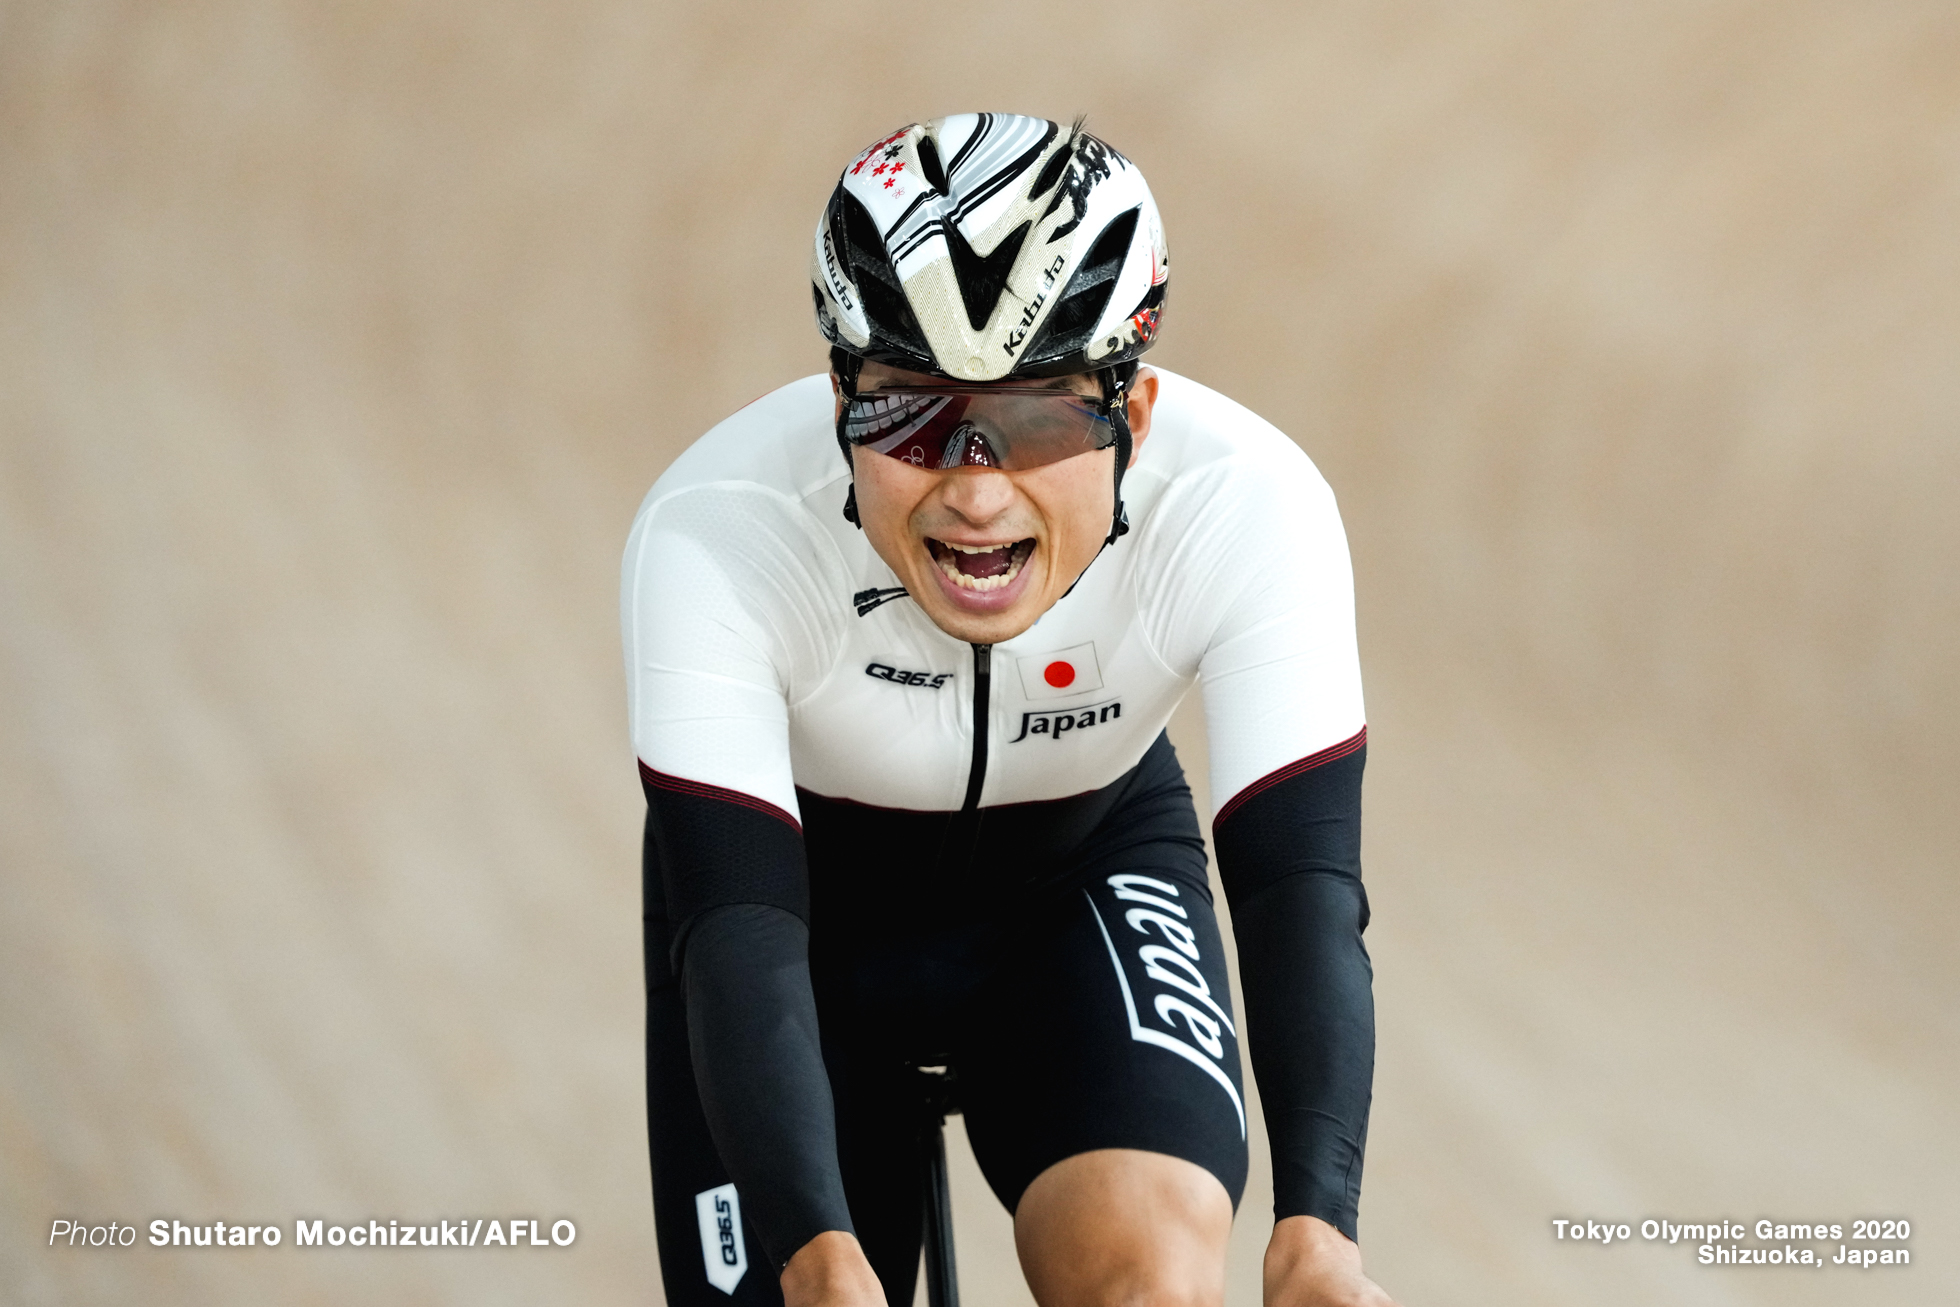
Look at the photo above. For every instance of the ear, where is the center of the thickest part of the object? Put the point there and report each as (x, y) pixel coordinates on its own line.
(1142, 400)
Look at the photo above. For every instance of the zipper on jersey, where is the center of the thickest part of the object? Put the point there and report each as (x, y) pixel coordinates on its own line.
(982, 686)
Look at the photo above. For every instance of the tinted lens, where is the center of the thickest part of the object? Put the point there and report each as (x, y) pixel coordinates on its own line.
(1012, 428)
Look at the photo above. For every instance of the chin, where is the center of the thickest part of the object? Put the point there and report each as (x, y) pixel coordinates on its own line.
(980, 624)
(981, 628)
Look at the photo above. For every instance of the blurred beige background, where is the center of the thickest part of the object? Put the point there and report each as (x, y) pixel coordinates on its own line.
(338, 343)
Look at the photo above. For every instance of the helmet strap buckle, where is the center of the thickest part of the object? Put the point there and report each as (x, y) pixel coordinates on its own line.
(845, 366)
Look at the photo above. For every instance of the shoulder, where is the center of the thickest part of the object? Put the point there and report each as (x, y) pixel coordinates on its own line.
(1207, 454)
(781, 446)
(751, 510)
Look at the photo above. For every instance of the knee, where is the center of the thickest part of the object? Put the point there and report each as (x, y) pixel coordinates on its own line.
(1123, 1273)
(1159, 1286)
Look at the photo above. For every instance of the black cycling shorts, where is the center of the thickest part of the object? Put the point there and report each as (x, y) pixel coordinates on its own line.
(1088, 1011)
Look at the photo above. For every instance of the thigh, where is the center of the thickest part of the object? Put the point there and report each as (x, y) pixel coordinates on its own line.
(1110, 1026)
(1123, 1226)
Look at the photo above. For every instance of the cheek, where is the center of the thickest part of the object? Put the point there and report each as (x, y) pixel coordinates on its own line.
(1075, 500)
(881, 495)
(889, 493)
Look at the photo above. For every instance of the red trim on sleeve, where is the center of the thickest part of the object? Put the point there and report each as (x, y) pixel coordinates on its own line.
(1292, 769)
(660, 780)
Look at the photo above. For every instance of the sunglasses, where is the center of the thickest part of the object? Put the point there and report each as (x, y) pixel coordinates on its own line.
(1008, 427)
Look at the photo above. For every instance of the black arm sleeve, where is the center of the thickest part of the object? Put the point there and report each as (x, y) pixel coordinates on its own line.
(733, 889)
(1289, 855)
(752, 1030)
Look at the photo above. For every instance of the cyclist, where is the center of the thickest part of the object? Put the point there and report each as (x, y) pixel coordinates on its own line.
(900, 722)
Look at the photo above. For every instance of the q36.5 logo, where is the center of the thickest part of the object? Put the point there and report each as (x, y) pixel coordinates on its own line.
(928, 680)
(723, 1253)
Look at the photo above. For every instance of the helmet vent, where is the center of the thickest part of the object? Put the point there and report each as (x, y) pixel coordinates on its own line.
(865, 246)
(1106, 259)
(1051, 172)
(892, 313)
(929, 164)
(1075, 315)
(877, 281)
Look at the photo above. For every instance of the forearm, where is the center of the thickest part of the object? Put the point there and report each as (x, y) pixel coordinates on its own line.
(758, 1062)
(1310, 1026)
(1289, 854)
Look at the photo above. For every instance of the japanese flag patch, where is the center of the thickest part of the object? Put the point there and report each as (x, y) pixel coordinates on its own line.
(1061, 674)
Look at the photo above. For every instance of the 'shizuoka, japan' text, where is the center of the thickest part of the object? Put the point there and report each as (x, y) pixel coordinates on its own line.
(1776, 1243)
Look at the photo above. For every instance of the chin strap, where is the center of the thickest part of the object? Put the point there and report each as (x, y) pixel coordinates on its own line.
(845, 366)
(1116, 400)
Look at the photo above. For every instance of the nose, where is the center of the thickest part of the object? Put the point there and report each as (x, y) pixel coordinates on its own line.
(978, 494)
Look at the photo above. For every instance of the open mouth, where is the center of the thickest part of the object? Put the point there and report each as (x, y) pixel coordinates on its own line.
(981, 567)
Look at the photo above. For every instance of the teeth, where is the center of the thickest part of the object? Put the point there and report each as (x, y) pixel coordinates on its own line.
(1016, 561)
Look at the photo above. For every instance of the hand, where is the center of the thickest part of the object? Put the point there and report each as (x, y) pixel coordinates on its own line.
(831, 1271)
(1311, 1264)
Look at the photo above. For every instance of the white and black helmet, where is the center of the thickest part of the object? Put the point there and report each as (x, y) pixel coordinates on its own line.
(982, 246)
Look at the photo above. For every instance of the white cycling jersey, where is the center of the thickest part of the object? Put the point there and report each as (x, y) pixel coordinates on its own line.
(765, 649)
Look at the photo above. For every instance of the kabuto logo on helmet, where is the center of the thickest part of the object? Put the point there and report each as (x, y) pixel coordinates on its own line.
(980, 246)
